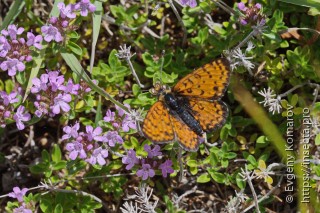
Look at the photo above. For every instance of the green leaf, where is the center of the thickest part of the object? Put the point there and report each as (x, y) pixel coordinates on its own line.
(55, 10)
(45, 156)
(192, 163)
(14, 11)
(37, 61)
(304, 3)
(59, 165)
(39, 168)
(74, 48)
(294, 100)
(240, 182)
(97, 16)
(252, 160)
(9, 85)
(217, 176)
(317, 140)
(56, 153)
(204, 178)
(99, 111)
(58, 209)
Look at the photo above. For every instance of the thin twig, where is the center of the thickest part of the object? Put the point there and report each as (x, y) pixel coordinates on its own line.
(266, 195)
(184, 29)
(134, 72)
(291, 90)
(186, 194)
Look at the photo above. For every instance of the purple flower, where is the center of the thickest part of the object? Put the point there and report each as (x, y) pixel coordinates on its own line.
(40, 84)
(242, 7)
(121, 112)
(71, 131)
(94, 133)
(61, 101)
(109, 116)
(166, 168)
(51, 33)
(12, 31)
(128, 123)
(191, 3)
(252, 14)
(42, 108)
(22, 209)
(131, 159)
(70, 87)
(84, 6)
(145, 172)
(56, 81)
(112, 137)
(21, 116)
(98, 155)
(66, 11)
(152, 152)
(18, 193)
(34, 40)
(76, 148)
(4, 46)
(12, 65)
(9, 99)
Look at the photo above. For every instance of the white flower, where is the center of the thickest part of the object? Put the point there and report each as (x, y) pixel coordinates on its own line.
(271, 100)
(268, 95)
(238, 58)
(242, 60)
(124, 52)
(275, 105)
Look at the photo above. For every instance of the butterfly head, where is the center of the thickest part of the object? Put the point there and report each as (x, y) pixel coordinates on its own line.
(160, 90)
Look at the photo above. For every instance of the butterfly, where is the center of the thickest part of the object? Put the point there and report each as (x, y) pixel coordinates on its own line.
(192, 108)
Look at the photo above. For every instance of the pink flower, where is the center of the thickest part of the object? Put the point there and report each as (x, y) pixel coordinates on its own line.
(51, 33)
(145, 172)
(21, 116)
(18, 193)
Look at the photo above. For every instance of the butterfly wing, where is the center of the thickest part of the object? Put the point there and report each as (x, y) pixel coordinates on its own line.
(208, 81)
(157, 125)
(210, 114)
(187, 138)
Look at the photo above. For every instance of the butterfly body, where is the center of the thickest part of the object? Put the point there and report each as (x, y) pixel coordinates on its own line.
(178, 109)
(191, 108)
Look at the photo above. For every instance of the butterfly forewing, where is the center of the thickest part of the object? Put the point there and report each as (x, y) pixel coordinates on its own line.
(210, 114)
(157, 126)
(209, 81)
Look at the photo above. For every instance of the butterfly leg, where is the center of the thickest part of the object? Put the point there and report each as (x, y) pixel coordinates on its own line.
(204, 136)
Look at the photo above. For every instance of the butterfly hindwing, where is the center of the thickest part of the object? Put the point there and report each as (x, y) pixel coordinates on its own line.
(209, 81)
(187, 138)
(157, 126)
(210, 114)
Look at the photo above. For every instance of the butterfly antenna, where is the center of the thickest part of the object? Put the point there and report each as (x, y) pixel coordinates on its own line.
(161, 67)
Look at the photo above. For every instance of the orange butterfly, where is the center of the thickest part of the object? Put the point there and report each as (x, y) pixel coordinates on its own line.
(191, 109)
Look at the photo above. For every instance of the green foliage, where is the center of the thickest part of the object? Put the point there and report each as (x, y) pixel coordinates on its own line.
(251, 138)
(50, 163)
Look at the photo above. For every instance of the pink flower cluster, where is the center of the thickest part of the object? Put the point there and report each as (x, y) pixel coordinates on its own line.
(122, 121)
(15, 51)
(54, 94)
(91, 145)
(8, 103)
(19, 194)
(252, 15)
(59, 26)
(148, 165)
